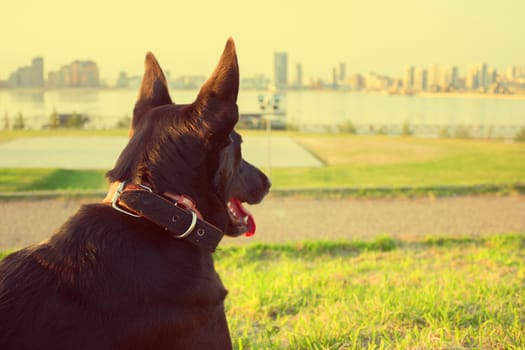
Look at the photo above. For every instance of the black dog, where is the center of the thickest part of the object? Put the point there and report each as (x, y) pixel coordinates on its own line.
(136, 271)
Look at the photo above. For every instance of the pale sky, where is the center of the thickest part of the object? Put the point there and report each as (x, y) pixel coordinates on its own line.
(187, 37)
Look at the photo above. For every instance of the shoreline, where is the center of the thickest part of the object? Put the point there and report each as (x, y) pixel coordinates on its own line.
(471, 95)
(426, 94)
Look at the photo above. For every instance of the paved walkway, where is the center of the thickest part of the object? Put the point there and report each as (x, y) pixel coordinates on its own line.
(102, 152)
(293, 219)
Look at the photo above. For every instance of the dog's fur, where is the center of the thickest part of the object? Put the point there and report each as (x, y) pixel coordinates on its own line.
(106, 280)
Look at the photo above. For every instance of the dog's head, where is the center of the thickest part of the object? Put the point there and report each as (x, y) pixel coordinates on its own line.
(192, 149)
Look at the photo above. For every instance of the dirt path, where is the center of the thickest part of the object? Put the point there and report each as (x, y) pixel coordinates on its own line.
(289, 219)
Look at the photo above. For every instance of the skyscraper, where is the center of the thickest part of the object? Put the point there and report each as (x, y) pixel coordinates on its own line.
(37, 66)
(356, 82)
(76, 74)
(449, 77)
(280, 69)
(472, 78)
(408, 78)
(483, 75)
(511, 73)
(29, 76)
(420, 79)
(342, 72)
(433, 77)
(477, 77)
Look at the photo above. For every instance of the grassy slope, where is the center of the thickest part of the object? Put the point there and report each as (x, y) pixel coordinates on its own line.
(382, 161)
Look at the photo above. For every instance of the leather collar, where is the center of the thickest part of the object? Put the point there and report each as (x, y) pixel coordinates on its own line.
(180, 218)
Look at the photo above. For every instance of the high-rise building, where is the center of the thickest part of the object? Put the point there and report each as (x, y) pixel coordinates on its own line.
(356, 82)
(65, 76)
(90, 74)
(76, 74)
(492, 75)
(511, 73)
(76, 69)
(342, 72)
(478, 77)
(376, 82)
(471, 78)
(280, 69)
(449, 78)
(37, 66)
(420, 79)
(29, 76)
(408, 78)
(483, 75)
(433, 78)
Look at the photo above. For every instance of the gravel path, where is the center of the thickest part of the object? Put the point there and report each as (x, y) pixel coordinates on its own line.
(278, 219)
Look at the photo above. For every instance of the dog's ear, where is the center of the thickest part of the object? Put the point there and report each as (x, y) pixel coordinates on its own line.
(153, 90)
(224, 82)
(218, 95)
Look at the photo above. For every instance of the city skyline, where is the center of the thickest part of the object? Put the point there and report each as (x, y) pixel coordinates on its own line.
(434, 77)
(187, 38)
(288, 73)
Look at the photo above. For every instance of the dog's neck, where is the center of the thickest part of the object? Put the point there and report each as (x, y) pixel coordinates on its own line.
(181, 200)
(176, 214)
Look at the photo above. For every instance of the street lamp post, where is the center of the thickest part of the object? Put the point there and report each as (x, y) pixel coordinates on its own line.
(269, 105)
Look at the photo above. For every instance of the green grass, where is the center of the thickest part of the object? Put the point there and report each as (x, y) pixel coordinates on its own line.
(394, 165)
(439, 293)
(382, 161)
(15, 180)
(435, 293)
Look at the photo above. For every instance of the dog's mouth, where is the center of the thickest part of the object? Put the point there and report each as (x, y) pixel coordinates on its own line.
(241, 220)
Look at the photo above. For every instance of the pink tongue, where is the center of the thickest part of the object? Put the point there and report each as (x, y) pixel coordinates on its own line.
(242, 213)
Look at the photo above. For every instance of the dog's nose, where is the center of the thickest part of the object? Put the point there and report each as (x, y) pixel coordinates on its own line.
(266, 181)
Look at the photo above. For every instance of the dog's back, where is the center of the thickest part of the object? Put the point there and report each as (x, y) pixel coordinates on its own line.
(111, 283)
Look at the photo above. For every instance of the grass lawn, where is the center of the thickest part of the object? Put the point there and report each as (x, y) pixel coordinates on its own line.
(459, 293)
(351, 162)
(13, 180)
(384, 294)
(382, 161)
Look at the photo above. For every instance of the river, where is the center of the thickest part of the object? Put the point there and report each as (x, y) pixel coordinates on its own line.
(306, 110)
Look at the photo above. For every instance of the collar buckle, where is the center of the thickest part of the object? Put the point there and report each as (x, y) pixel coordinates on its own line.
(190, 228)
(139, 201)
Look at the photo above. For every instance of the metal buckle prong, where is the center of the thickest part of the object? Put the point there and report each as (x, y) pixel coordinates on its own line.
(145, 187)
(190, 228)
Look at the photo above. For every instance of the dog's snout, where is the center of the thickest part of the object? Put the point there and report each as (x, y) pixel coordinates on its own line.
(266, 182)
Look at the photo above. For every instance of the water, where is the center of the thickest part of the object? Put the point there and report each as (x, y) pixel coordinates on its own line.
(307, 110)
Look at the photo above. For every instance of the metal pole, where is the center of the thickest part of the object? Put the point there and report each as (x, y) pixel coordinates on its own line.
(269, 154)
(268, 105)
